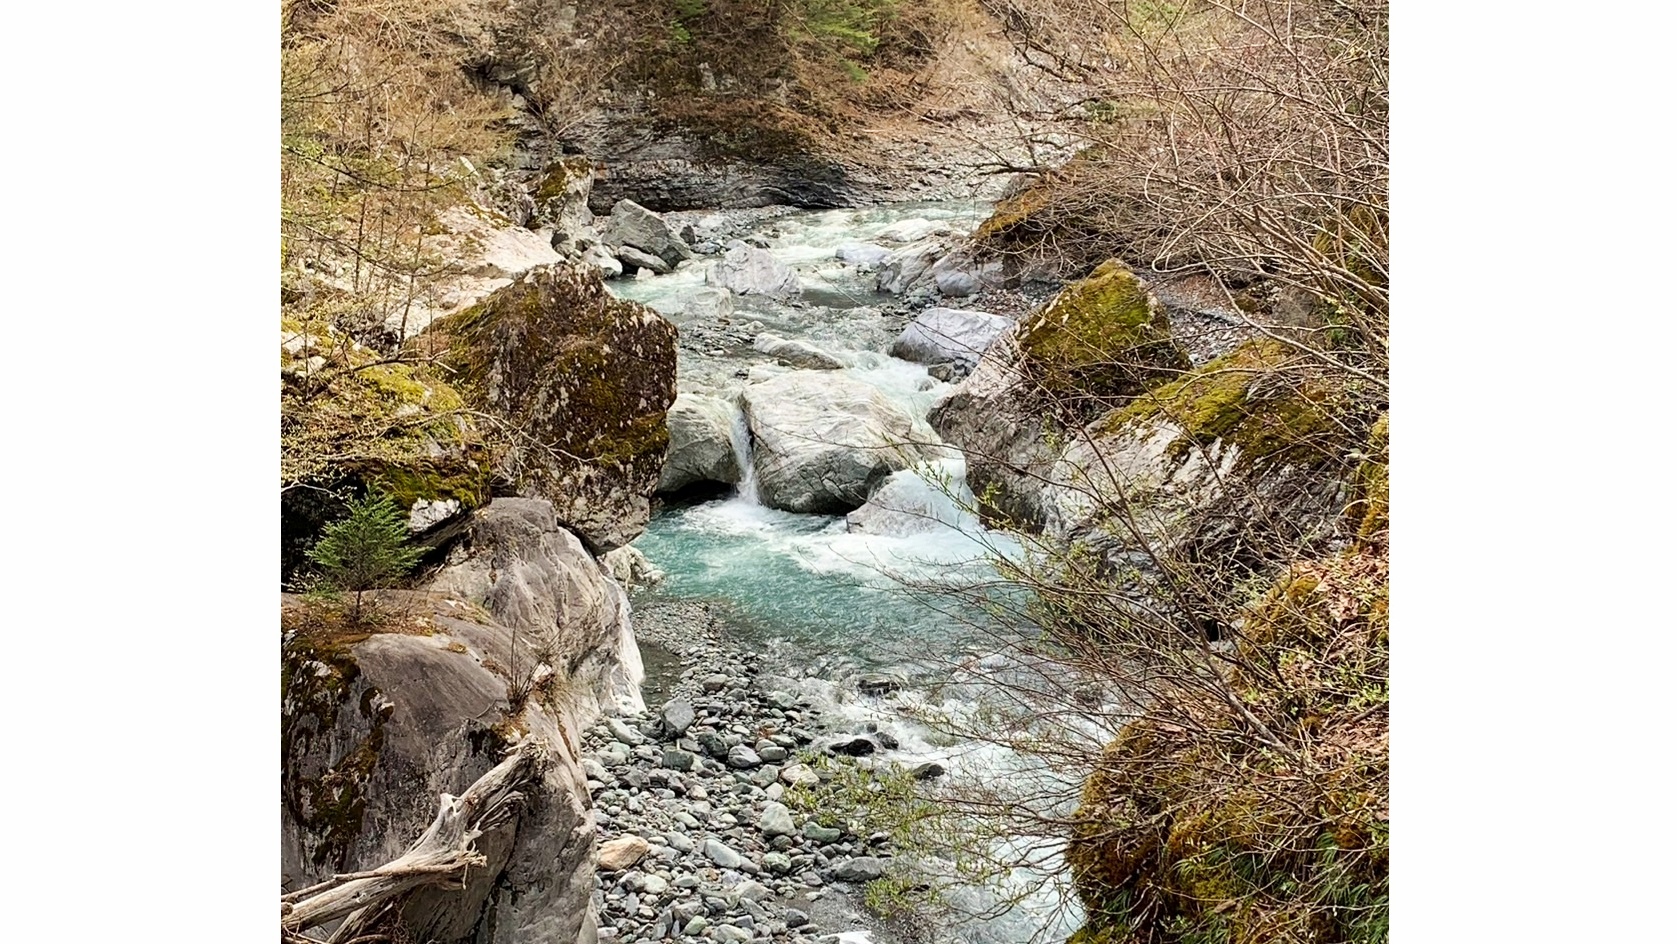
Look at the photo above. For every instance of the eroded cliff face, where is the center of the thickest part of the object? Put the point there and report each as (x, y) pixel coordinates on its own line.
(519, 634)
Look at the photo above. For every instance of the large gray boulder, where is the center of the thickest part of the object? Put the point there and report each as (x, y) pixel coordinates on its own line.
(631, 224)
(708, 303)
(748, 270)
(949, 334)
(701, 443)
(822, 441)
(485, 251)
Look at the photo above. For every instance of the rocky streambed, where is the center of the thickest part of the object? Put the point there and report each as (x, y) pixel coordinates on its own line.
(702, 832)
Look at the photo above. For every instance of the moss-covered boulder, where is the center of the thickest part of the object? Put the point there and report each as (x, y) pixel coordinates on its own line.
(1237, 467)
(1102, 337)
(577, 384)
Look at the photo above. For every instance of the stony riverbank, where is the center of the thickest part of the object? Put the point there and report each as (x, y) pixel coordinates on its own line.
(702, 835)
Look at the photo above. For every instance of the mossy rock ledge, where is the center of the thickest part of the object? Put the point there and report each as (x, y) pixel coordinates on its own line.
(578, 383)
(1235, 469)
(350, 423)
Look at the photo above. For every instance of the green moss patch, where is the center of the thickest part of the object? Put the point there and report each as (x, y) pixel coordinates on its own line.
(1100, 338)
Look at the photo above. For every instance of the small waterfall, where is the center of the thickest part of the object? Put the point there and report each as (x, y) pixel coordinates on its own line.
(741, 437)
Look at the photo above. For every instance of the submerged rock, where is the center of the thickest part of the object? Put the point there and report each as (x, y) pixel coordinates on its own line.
(634, 260)
(864, 256)
(794, 353)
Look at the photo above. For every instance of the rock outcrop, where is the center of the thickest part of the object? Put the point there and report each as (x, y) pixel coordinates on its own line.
(580, 382)
(1101, 337)
(701, 443)
(375, 727)
(536, 578)
(822, 441)
(1095, 344)
(519, 633)
(1242, 461)
(991, 417)
(665, 168)
(560, 199)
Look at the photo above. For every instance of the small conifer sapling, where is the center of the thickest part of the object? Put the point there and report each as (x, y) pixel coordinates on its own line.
(367, 549)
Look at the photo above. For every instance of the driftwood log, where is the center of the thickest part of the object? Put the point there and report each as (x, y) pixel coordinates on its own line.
(441, 856)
